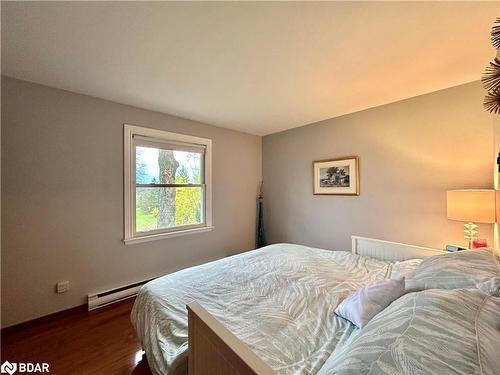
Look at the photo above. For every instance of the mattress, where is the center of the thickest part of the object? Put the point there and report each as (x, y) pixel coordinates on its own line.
(279, 300)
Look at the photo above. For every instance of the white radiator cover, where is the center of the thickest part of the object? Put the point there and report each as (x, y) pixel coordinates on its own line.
(107, 297)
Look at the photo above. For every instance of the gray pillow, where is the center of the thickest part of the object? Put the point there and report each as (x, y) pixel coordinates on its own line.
(490, 286)
(461, 269)
(361, 306)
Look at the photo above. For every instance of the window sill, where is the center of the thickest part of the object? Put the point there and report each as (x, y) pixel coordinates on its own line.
(161, 236)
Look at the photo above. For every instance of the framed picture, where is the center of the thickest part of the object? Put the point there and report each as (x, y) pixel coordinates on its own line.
(336, 176)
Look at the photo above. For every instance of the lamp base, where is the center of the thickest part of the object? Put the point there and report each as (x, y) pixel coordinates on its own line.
(470, 230)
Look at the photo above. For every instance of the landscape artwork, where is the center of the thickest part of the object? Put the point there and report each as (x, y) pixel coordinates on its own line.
(336, 176)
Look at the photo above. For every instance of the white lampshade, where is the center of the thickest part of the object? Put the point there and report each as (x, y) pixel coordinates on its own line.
(475, 205)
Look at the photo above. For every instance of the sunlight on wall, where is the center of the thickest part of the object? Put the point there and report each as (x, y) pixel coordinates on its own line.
(496, 179)
(496, 174)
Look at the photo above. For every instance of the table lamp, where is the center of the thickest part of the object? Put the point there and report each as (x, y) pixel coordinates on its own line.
(471, 206)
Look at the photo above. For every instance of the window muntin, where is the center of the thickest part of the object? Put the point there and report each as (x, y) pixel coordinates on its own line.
(168, 190)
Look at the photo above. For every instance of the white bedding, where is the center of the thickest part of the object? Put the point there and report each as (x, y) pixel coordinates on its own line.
(279, 300)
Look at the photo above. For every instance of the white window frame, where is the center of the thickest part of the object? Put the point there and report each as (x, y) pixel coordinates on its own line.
(131, 237)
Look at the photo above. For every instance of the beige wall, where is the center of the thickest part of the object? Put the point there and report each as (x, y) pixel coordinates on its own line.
(62, 199)
(410, 153)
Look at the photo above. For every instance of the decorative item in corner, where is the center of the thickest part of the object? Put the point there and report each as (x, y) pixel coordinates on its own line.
(491, 76)
(260, 238)
(495, 34)
(492, 101)
(336, 176)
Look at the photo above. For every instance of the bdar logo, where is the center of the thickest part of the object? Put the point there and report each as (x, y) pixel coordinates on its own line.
(8, 367)
(29, 367)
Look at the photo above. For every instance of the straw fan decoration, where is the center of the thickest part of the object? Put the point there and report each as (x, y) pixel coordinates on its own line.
(491, 75)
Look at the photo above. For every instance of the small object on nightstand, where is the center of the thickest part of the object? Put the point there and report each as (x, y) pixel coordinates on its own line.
(454, 248)
(478, 243)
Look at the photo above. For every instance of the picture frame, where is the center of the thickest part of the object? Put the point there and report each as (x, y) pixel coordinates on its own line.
(336, 176)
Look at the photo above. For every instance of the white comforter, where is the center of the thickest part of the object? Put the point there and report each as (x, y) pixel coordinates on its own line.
(279, 300)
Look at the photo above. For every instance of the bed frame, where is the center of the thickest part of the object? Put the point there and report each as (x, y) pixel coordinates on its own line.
(213, 349)
(390, 251)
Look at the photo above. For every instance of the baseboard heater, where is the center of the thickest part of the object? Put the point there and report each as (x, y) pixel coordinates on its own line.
(107, 297)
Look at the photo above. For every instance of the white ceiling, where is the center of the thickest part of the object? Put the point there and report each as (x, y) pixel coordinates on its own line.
(256, 67)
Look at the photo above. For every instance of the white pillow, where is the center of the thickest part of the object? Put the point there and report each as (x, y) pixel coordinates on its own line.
(361, 306)
(403, 268)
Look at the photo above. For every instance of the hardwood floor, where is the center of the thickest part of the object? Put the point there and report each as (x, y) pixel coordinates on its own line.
(79, 342)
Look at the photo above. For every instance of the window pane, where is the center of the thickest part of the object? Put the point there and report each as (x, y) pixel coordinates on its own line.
(154, 165)
(163, 208)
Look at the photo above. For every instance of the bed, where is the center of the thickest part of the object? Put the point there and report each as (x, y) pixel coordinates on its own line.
(266, 311)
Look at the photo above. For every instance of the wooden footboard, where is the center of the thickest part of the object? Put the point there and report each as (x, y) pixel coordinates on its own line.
(214, 350)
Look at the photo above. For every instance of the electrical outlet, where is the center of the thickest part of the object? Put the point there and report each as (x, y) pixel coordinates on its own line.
(62, 286)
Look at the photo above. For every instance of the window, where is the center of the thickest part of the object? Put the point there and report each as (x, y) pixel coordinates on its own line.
(167, 184)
